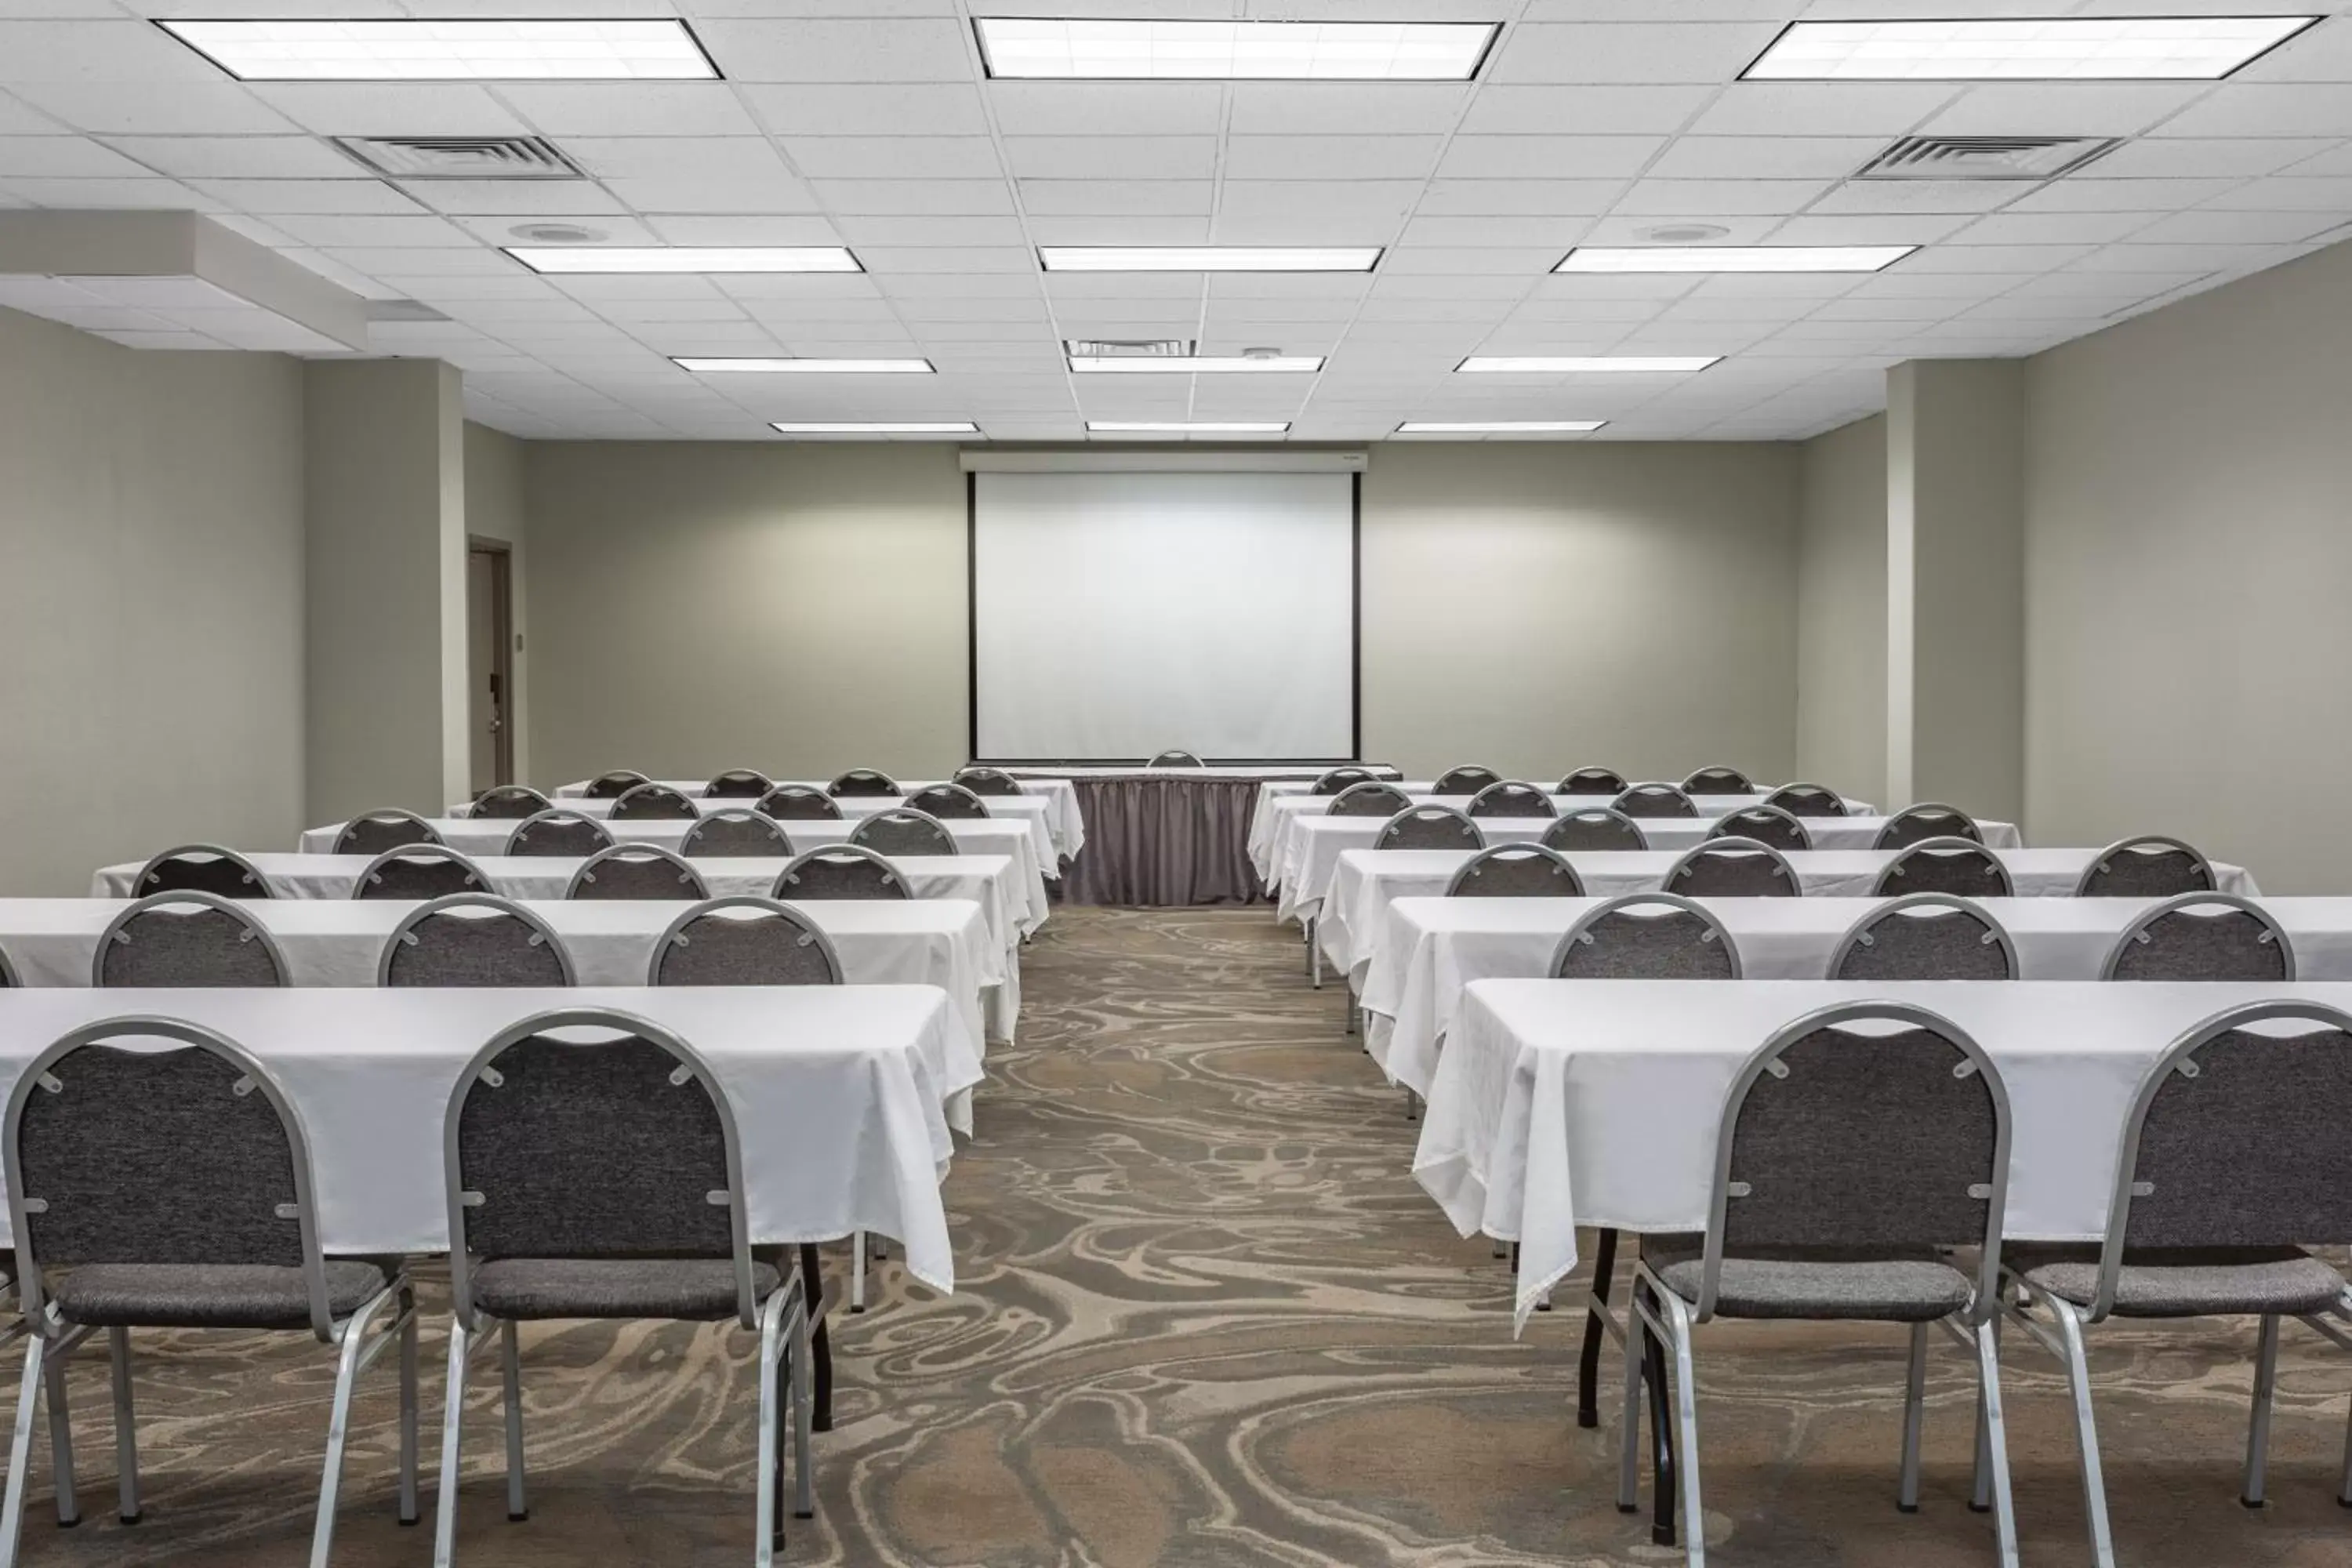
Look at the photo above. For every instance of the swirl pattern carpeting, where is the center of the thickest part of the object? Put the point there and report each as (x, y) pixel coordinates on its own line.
(1204, 1319)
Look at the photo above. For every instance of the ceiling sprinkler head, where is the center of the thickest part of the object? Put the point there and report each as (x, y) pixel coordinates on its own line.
(1261, 353)
(555, 233)
(1684, 233)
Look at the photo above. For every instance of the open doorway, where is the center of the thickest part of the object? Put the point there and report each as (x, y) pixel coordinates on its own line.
(490, 661)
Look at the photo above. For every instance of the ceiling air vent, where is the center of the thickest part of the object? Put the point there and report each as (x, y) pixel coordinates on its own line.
(461, 157)
(1986, 157)
(1129, 348)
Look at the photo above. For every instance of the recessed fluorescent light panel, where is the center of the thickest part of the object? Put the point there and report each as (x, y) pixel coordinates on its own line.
(684, 259)
(2023, 48)
(1732, 258)
(1189, 365)
(939, 427)
(1015, 46)
(1185, 428)
(448, 51)
(1571, 365)
(806, 367)
(1498, 426)
(1207, 259)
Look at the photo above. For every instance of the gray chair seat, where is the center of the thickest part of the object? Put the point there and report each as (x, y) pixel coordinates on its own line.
(1912, 1286)
(207, 1295)
(2186, 1282)
(700, 1289)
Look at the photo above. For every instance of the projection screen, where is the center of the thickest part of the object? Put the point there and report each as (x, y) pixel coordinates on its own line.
(1116, 615)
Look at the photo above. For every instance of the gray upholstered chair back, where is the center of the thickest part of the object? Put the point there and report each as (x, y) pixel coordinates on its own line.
(1870, 1128)
(169, 940)
(2147, 867)
(1654, 800)
(1596, 827)
(1593, 781)
(864, 781)
(948, 800)
(1506, 798)
(614, 784)
(1429, 827)
(736, 832)
(1960, 865)
(1175, 760)
(1766, 824)
(1927, 820)
(1468, 779)
(419, 872)
(510, 802)
(2203, 936)
(559, 833)
(2240, 1136)
(1926, 936)
(202, 869)
(637, 871)
(1517, 871)
(381, 830)
(1807, 800)
(799, 802)
(619, 1147)
(1718, 781)
(903, 831)
(840, 871)
(655, 802)
(988, 781)
(473, 938)
(1371, 798)
(744, 942)
(191, 1155)
(7, 971)
(738, 783)
(1646, 936)
(1733, 868)
(1337, 779)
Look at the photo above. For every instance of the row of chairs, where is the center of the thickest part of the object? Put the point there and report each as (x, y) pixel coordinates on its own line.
(650, 801)
(735, 784)
(728, 831)
(1773, 823)
(1805, 799)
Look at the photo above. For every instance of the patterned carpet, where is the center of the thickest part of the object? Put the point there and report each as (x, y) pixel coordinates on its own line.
(1204, 1317)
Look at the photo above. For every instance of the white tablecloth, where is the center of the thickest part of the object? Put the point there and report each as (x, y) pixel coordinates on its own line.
(837, 1093)
(1365, 882)
(1066, 828)
(1429, 949)
(1563, 1102)
(1280, 789)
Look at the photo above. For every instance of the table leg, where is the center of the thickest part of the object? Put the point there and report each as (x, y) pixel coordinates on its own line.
(1587, 1363)
(1662, 1435)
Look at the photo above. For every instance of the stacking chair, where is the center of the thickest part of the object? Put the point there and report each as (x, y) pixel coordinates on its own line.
(1960, 866)
(1600, 827)
(744, 940)
(515, 801)
(473, 938)
(559, 833)
(735, 832)
(903, 831)
(1369, 797)
(637, 871)
(1717, 781)
(1517, 871)
(613, 785)
(419, 872)
(948, 800)
(1429, 827)
(988, 781)
(381, 830)
(2231, 1163)
(1508, 799)
(1858, 1145)
(1915, 822)
(1654, 800)
(653, 803)
(1807, 800)
(840, 871)
(738, 783)
(799, 802)
(169, 940)
(1765, 824)
(1733, 868)
(202, 869)
(1337, 779)
(864, 781)
(1593, 781)
(1175, 760)
(2202, 936)
(604, 1180)
(2148, 866)
(1468, 779)
(1926, 936)
(174, 1188)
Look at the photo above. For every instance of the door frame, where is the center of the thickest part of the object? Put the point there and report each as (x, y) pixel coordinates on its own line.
(501, 559)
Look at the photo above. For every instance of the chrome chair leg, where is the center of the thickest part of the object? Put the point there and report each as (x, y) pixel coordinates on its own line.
(2086, 1434)
(20, 1451)
(510, 1352)
(126, 1431)
(1995, 1451)
(1914, 1401)
(453, 1410)
(1980, 1482)
(857, 1271)
(348, 1361)
(1629, 1457)
(52, 1370)
(1687, 1429)
(766, 1527)
(2258, 1425)
(803, 1415)
(407, 1500)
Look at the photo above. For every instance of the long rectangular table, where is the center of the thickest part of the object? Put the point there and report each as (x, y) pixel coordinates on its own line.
(1560, 1103)
(838, 1093)
(1285, 788)
(1066, 825)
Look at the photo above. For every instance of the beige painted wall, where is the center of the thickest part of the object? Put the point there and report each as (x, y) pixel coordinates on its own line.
(150, 602)
(495, 510)
(1841, 609)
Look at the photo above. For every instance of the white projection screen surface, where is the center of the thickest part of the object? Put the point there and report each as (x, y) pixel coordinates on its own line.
(1115, 616)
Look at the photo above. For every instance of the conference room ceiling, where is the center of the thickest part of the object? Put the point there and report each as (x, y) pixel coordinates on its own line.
(872, 124)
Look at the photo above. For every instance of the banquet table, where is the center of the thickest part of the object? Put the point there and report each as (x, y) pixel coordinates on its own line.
(1560, 1103)
(1430, 949)
(1034, 811)
(1286, 788)
(1065, 826)
(839, 1092)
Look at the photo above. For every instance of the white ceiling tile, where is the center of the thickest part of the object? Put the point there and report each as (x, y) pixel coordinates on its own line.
(1381, 203)
(144, 194)
(1330, 157)
(2083, 193)
(2176, 259)
(2063, 109)
(1994, 258)
(1547, 157)
(1347, 108)
(1510, 198)
(1889, 197)
(116, 50)
(423, 261)
(1112, 157)
(521, 198)
(630, 108)
(695, 228)
(1098, 198)
(1636, 228)
(837, 49)
(18, 118)
(741, 193)
(1145, 229)
(143, 109)
(1884, 109)
(1527, 263)
(239, 157)
(2287, 194)
(371, 230)
(947, 198)
(871, 230)
(1502, 110)
(1107, 109)
(1764, 157)
(269, 197)
(2205, 157)
(2052, 228)
(893, 157)
(868, 108)
(1629, 52)
(66, 157)
(1718, 196)
(2261, 109)
(1910, 230)
(881, 260)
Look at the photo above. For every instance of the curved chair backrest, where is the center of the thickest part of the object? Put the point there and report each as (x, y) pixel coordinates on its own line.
(1678, 938)
(735, 832)
(2203, 936)
(1175, 760)
(2239, 1137)
(841, 871)
(1718, 781)
(1733, 868)
(987, 781)
(903, 831)
(1926, 936)
(1506, 798)
(1654, 800)
(1429, 827)
(1337, 779)
(1766, 824)
(509, 802)
(381, 830)
(1517, 871)
(614, 785)
(637, 871)
(1876, 1125)
(799, 802)
(1468, 779)
(653, 803)
(738, 783)
(187, 939)
(1371, 798)
(1596, 827)
(621, 1147)
(1593, 781)
(1960, 866)
(1915, 824)
(744, 942)
(2147, 867)
(948, 800)
(864, 781)
(419, 872)
(1807, 800)
(473, 938)
(202, 869)
(187, 1155)
(564, 833)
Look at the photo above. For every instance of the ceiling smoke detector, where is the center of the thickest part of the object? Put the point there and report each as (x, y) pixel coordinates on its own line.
(461, 157)
(1684, 233)
(1129, 348)
(1986, 157)
(556, 233)
(1261, 353)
